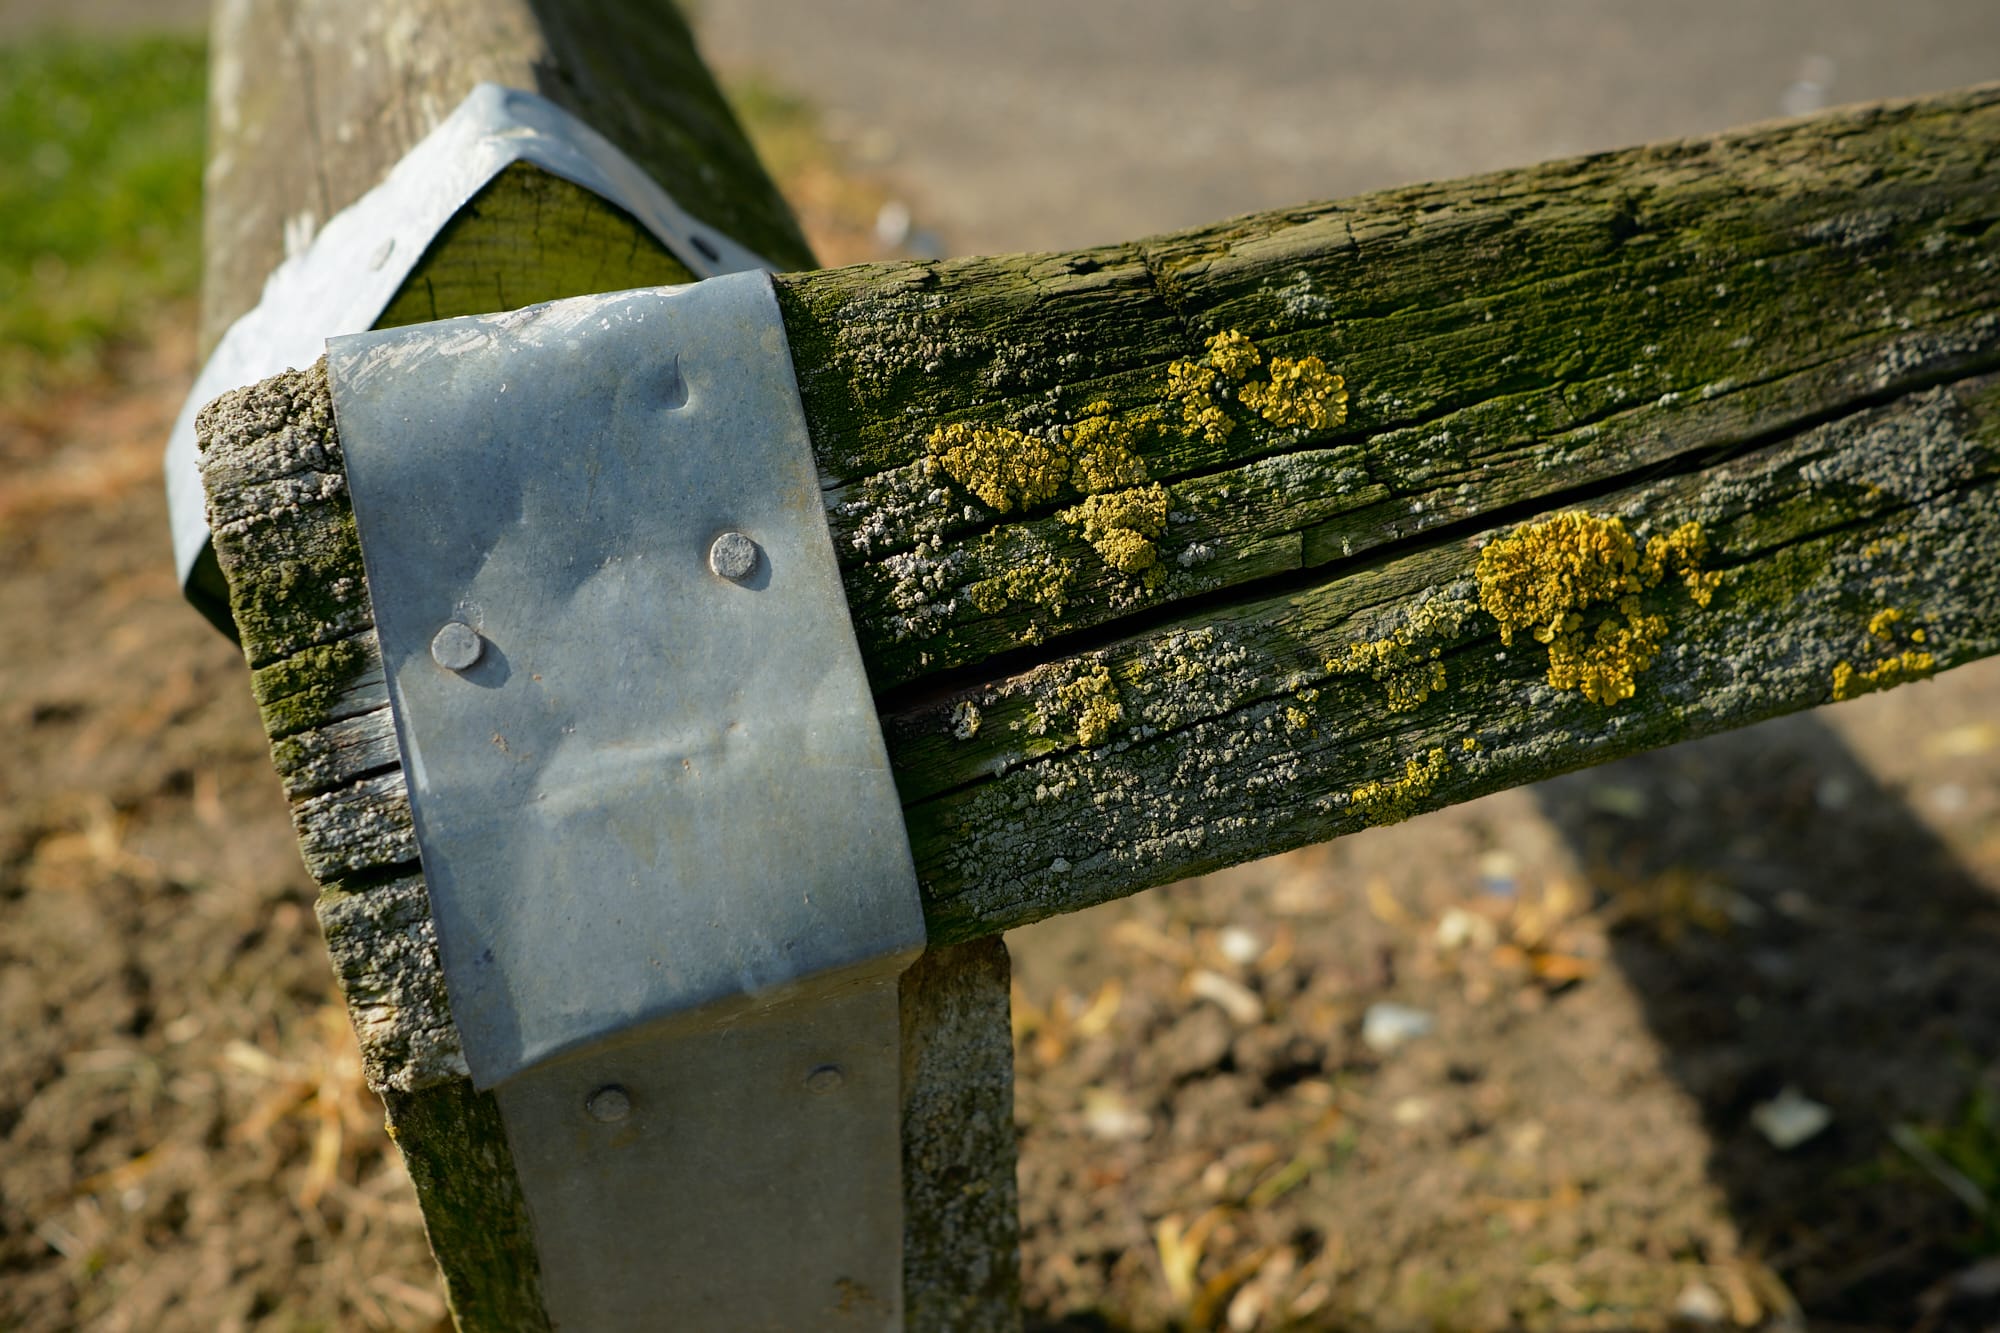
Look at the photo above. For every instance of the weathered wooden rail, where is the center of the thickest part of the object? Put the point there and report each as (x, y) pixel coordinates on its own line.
(1168, 555)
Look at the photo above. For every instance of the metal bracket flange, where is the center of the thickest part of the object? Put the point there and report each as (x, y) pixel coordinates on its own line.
(665, 855)
(345, 278)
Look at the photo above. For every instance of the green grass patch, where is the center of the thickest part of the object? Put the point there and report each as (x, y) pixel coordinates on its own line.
(1964, 1157)
(100, 196)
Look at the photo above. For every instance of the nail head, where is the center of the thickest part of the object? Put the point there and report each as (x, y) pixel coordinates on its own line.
(608, 1105)
(733, 556)
(456, 646)
(825, 1079)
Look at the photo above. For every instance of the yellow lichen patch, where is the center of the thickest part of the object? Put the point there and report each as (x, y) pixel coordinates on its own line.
(1297, 392)
(1103, 449)
(1301, 393)
(1470, 744)
(1123, 525)
(1606, 666)
(1682, 552)
(1193, 386)
(1095, 456)
(1007, 469)
(1544, 577)
(1850, 682)
(1910, 664)
(1297, 719)
(1883, 624)
(1406, 662)
(1393, 800)
(1087, 706)
(1233, 355)
(1040, 581)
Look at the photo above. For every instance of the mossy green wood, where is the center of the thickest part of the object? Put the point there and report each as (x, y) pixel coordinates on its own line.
(290, 149)
(1781, 335)
(1503, 341)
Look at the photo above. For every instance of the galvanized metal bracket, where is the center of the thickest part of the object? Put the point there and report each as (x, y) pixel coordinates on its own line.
(356, 263)
(665, 855)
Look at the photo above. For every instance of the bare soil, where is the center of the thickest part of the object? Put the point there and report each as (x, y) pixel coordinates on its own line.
(185, 1142)
(1621, 966)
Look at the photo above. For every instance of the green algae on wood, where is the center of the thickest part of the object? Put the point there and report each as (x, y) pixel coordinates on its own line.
(528, 237)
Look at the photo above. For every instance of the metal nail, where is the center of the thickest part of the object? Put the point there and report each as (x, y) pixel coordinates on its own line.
(733, 556)
(456, 646)
(825, 1079)
(608, 1105)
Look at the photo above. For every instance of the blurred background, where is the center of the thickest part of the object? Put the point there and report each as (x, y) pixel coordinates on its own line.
(1708, 1038)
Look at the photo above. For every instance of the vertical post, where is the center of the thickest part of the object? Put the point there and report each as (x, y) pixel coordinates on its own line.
(299, 128)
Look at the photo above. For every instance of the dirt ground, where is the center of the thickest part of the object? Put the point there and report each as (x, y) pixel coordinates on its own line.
(1606, 984)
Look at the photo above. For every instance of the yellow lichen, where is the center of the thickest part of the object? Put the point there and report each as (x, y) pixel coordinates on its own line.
(1193, 386)
(1233, 355)
(1469, 744)
(1392, 800)
(1103, 448)
(1297, 719)
(1544, 577)
(1406, 662)
(1296, 393)
(1042, 582)
(1606, 665)
(1087, 706)
(1850, 682)
(1097, 456)
(965, 719)
(1301, 393)
(1883, 623)
(1006, 469)
(1010, 469)
(1123, 525)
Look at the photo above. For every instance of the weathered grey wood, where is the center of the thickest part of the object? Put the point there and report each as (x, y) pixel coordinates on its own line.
(1559, 335)
(1505, 341)
(312, 101)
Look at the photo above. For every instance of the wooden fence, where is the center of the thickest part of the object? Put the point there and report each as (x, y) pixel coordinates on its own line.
(1167, 555)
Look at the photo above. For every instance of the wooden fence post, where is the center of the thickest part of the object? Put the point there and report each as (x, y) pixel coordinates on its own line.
(312, 101)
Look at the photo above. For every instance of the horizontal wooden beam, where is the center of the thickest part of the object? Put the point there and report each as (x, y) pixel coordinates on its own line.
(1783, 336)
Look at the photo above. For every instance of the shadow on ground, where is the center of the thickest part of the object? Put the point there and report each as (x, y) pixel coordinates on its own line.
(1818, 937)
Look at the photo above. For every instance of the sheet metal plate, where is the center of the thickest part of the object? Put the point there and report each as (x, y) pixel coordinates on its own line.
(343, 280)
(658, 795)
(751, 1189)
